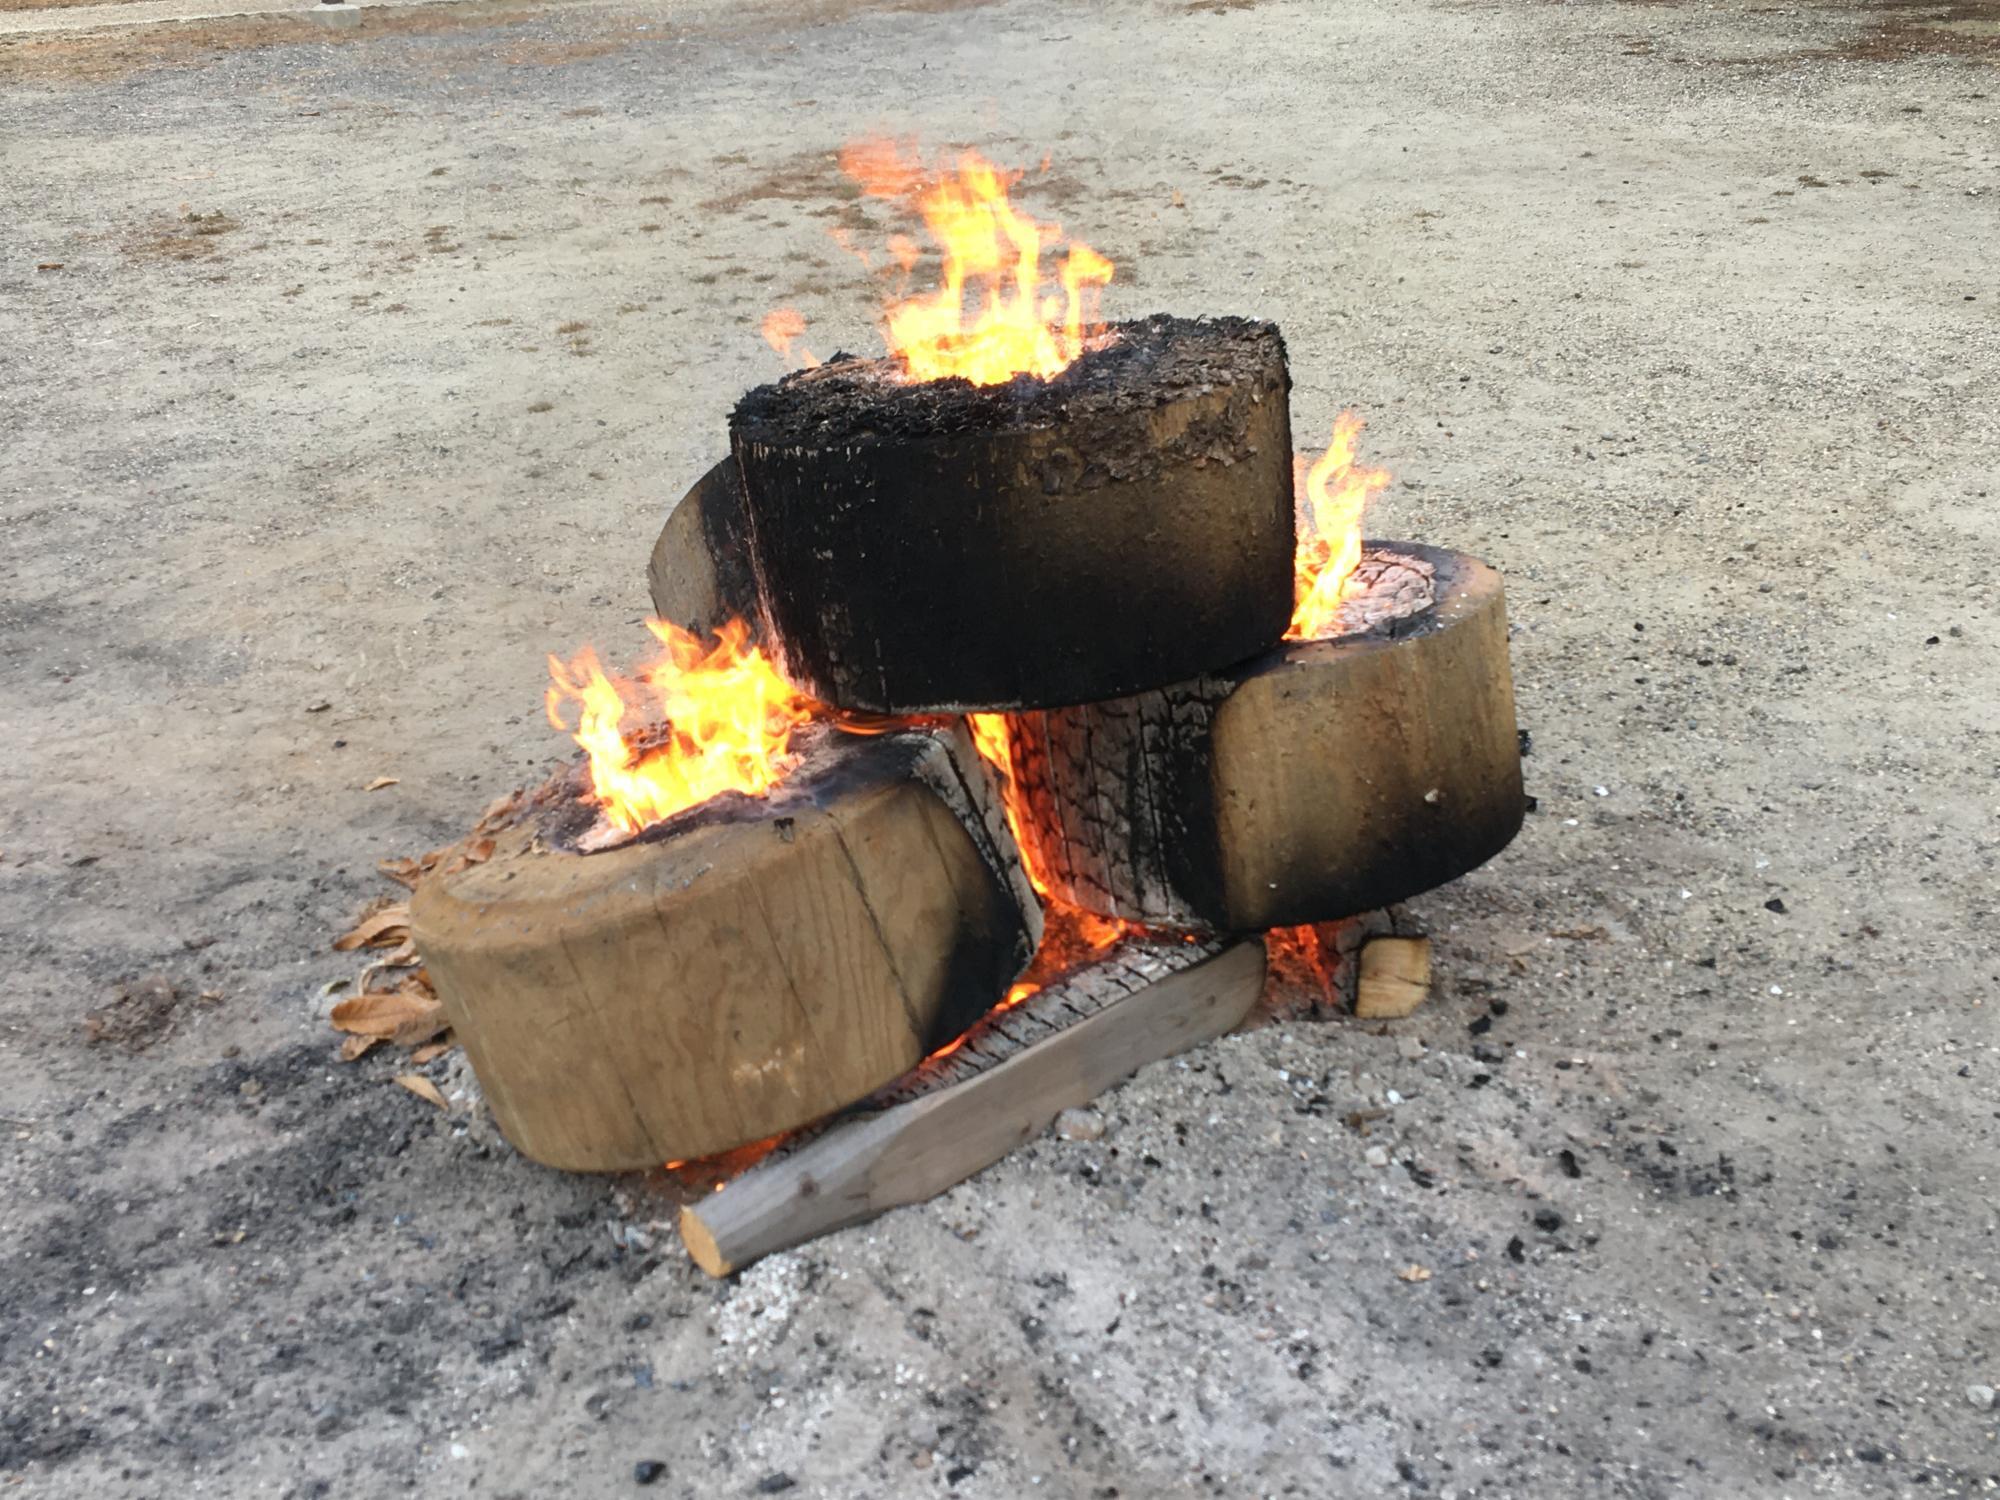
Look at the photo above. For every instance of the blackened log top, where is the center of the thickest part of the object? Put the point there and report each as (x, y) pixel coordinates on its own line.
(943, 547)
(1143, 363)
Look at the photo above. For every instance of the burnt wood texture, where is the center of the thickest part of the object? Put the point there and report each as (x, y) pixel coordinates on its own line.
(941, 546)
(1322, 779)
(737, 971)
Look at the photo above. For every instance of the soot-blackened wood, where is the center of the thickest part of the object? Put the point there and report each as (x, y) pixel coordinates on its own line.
(940, 546)
(699, 574)
(1323, 779)
(959, 1114)
(1122, 801)
(738, 970)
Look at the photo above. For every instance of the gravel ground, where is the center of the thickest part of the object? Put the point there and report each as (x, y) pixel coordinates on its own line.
(371, 363)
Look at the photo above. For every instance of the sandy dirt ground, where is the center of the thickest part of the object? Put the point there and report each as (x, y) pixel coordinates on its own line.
(347, 374)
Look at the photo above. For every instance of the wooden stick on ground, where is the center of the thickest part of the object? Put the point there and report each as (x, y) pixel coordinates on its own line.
(1395, 977)
(963, 1111)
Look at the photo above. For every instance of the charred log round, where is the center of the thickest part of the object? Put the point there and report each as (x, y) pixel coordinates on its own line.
(699, 574)
(737, 970)
(1323, 779)
(940, 546)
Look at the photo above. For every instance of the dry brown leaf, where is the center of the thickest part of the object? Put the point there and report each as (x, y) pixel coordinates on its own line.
(431, 1051)
(351, 1048)
(381, 781)
(407, 1017)
(423, 1088)
(404, 871)
(498, 811)
(1414, 1274)
(383, 929)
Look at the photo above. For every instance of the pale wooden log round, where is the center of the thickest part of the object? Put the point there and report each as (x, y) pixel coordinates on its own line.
(942, 547)
(1320, 780)
(699, 572)
(738, 971)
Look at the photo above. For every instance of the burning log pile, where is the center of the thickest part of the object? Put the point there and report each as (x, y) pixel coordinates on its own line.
(1012, 686)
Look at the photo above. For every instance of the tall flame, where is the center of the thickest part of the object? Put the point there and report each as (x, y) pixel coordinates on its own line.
(995, 314)
(709, 719)
(1330, 502)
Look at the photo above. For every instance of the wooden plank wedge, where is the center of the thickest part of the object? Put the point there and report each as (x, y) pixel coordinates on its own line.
(918, 1146)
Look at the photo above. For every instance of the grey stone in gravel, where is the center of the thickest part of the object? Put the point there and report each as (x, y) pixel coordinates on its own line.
(1080, 1125)
(1377, 1156)
(1981, 1396)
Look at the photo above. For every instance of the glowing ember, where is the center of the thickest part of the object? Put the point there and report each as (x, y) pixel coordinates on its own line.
(699, 721)
(1330, 503)
(996, 312)
(1307, 960)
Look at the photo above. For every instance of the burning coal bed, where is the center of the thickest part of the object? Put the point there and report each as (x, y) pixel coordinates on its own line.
(1000, 717)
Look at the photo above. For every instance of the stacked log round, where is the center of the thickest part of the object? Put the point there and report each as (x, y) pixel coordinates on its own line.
(940, 546)
(738, 970)
(1321, 779)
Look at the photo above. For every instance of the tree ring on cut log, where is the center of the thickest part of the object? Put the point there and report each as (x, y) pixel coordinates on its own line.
(1322, 779)
(738, 970)
(938, 546)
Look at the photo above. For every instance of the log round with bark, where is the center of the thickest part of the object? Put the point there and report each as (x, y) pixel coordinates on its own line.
(939, 546)
(1322, 779)
(738, 970)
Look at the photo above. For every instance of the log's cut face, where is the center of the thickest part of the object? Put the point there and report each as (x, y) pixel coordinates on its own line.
(735, 972)
(1319, 780)
(940, 546)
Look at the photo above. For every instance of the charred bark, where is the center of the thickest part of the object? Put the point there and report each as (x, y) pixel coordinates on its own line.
(942, 547)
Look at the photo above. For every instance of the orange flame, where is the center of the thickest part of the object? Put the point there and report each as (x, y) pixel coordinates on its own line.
(721, 720)
(1330, 502)
(1070, 934)
(1307, 959)
(782, 328)
(993, 316)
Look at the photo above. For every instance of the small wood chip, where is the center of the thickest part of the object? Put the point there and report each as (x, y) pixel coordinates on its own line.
(1414, 1274)
(381, 781)
(423, 1088)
